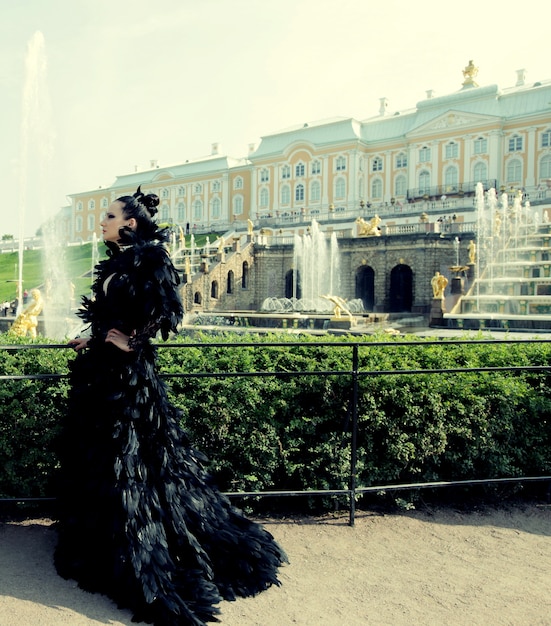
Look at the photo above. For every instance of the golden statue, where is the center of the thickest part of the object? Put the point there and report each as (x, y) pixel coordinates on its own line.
(468, 74)
(27, 321)
(187, 266)
(367, 229)
(472, 252)
(340, 308)
(250, 227)
(438, 282)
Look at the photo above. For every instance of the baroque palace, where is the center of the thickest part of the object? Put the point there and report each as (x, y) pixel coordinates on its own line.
(416, 170)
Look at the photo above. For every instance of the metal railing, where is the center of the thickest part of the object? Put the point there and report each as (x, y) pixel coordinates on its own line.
(355, 374)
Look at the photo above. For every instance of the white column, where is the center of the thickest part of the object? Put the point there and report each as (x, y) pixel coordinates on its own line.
(531, 148)
(326, 176)
(275, 189)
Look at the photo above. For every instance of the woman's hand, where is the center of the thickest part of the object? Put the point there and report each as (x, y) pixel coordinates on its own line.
(118, 339)
(79, 343)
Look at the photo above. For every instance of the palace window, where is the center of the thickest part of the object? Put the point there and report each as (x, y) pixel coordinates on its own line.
(78, 224)
(401, 160)
(238, 183)
(164, 193)
(514, 169)
(480, 145)
(286, 172)
(341, 164)
(451, 178)
(315, 191)
(285, 194)
(238, 205)
(316, 167)
(197, 188)
(104, 203)
(79, 206)
(424, 155)
(181, 190)
(164, 212)
(91, 205)
(340, 188)
(424, 182)
(480, 172)
(216, 186)
(264, 175)
(216, 208)
(299, 170)
(452, 150)
(299, 193)
(91, 222)
(515, 143)
(377, 189)
(198, 210)
(400, 186)
(546, 139)
(181, 211)
(377, 165)
(545, 167)
(264, 197)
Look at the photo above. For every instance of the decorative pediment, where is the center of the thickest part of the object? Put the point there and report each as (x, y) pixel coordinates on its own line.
(163, 176)
(451, 120)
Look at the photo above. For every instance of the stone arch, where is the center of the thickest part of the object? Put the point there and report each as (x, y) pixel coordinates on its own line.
(365, 286)
(401, 289)
(197, 297)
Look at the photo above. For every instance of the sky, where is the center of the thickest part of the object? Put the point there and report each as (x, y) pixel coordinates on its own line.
(122, 82)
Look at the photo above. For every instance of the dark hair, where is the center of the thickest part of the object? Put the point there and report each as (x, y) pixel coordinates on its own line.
(142, 207)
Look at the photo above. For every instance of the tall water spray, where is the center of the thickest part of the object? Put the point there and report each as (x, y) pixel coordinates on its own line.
(36, 152)
(316, 268)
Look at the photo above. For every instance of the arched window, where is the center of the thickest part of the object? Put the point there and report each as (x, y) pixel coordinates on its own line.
(78, 224)
(165, 212)
(285, 194)
(214, 289)
(245, 275)
(424, 182)
(91, 222)
(104, 203)
(315, 191)
(216, 208)
(340, 188)
(480, 172)
(197, 297)
(264, 197)
(181, 211)
(238, 183)
(400, 186)
(299, 192)
(198, 210)
(238, 205)
(545, 167)
(230, 282)
(377, 188)
(91, 205)
(451, 179)
(514, 171)
(79, 206)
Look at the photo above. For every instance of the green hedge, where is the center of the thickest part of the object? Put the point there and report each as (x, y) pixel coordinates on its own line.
(286, 432)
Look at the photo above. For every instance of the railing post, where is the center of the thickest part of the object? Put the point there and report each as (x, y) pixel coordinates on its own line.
(354, 438)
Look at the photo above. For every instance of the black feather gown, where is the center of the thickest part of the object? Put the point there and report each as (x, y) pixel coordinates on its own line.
(140, 519)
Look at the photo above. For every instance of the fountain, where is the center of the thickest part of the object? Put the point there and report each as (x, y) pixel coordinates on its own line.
(510, 287)
(36, 131)
(315, 273)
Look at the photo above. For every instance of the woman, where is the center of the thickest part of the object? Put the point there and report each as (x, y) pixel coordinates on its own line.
(140, 519)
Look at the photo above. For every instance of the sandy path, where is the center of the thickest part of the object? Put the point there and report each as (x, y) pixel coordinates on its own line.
(446, 567)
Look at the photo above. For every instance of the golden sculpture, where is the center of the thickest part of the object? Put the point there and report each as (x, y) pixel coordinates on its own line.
(340, 308)
(27, 321)
(250, 227)
(367, 229)
(439, 283)
(472, 252)
(468, 74)
(187, 266)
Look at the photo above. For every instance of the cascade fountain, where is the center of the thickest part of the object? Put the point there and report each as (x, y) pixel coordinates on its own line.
(511, 284)
(34, 190)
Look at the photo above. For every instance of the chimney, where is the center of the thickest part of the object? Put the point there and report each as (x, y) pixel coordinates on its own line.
(215, 148)
(153, 163)
(521, 77)
(384, 106)
(430, 93)
(252, 148)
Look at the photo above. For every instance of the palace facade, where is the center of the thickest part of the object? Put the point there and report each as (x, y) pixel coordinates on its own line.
(431, 155)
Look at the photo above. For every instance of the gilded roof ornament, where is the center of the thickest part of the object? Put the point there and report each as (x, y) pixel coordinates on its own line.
(469, 73)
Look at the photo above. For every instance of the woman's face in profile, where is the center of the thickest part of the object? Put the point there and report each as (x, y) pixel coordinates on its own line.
(113, 221)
